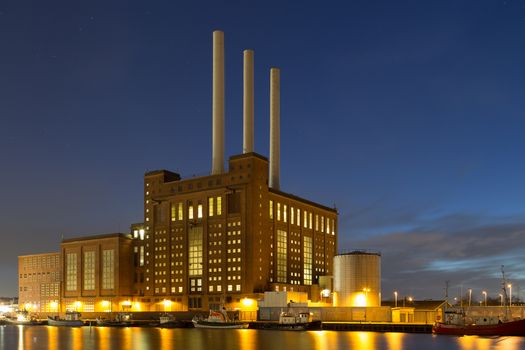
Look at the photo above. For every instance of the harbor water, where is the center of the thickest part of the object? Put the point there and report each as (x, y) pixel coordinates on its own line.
(48, 337)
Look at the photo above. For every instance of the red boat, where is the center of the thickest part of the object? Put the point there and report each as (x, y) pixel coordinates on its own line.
(456, 321)
(516, 328)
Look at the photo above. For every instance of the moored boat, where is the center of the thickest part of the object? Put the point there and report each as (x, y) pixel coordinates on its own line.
(169, 321)
(500, 328)
(217, 320)
(456, 322)
(23, 318)
(120, 320)
(300, 322)
(72, 320)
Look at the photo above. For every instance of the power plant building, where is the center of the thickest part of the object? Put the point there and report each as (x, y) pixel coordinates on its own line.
(214, 240)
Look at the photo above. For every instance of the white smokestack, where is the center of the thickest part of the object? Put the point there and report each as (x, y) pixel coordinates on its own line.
(247, 145)
(275, 116)
(218, 104)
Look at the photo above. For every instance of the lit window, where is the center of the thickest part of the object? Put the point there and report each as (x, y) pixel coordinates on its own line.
(210, 206)
(327, 225)
(271, 210)
(238, 288)
(219, 288)
(316, 222)
(141, 256)
(310, 220)
(135, 233)
(173, 212)
(305, 219)
(322, 223)
(278, 211)
(281, 255)
(298, 217)
(199, 211)
(190, 212)
(333, 226)
(307, 262)
(141, 234)
(230, 288)
(219, 205)
(285, 219)
(292, 215)
(181, 213)
(108, 269)
(89, 270)
(71, 271)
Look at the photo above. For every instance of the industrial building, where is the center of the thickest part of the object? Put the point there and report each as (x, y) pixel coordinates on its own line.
(39, 282)
(208, 241)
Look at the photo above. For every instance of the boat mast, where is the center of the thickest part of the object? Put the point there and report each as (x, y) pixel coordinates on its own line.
(504, 287)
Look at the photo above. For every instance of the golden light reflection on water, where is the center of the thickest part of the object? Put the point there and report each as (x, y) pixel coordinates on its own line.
(77, 338)
(363, 340)
(167, 339)
(20, 337)
(102, 337)
(394, 340)
(246, 339)
(320, 339)
(52, 338)
(105, 338)
(126, 338)
(486, 343)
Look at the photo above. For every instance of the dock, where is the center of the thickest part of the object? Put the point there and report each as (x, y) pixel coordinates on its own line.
(378, 327)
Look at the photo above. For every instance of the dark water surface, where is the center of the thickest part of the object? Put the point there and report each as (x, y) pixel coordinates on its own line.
(47, 337)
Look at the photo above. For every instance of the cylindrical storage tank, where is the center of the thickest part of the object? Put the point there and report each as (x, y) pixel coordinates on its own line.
(357, 279)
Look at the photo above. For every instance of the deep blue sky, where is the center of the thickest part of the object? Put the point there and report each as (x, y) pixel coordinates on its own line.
(407, 115)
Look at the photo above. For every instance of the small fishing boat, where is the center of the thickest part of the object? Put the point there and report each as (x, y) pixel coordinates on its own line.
(301, 322)
(217, 320)
(120, 320)
(72, 320)
(169, 321)
(456, 322)
(23, 318)
(488, 326)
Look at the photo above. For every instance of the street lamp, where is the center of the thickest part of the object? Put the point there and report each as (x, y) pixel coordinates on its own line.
(469, 296)
(395, 297)
(510, 288)
(366, 290)
(485, 294)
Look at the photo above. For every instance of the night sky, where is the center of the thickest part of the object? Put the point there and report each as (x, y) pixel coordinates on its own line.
(408, 116)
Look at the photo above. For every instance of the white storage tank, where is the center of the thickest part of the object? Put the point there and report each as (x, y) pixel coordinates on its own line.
(357, 279)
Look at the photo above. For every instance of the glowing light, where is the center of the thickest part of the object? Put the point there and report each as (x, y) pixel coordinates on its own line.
(78, 305)
(167, 303)
(105, 303)
(137, 306)
(359, 300)
(5, 308)
(126, 303)
(53, 305)
(247, 302)
(28, 306)
(325, 293)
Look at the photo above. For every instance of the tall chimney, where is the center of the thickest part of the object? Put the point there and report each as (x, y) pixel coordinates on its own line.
(218, 104)
(275, 106)
(247, 144)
